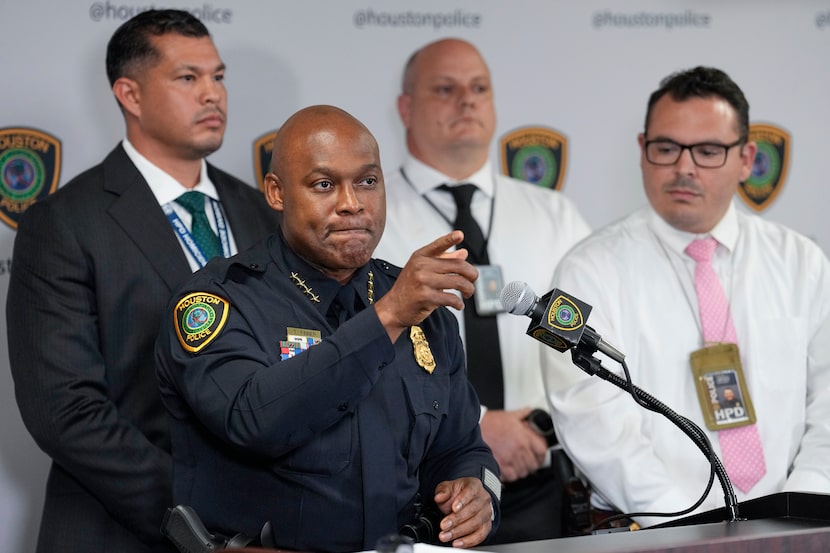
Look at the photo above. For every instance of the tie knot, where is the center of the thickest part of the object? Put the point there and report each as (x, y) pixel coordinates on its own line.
(462, 194)
(702, 249)
(192, 201)
(344, 305)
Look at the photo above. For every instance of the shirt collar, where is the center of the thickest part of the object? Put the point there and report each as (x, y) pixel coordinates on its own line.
(424, 178)
(164, 187)
(320, 285)
(725, 232)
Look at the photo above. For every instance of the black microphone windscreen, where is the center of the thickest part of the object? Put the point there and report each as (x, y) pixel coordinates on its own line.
(518, 297)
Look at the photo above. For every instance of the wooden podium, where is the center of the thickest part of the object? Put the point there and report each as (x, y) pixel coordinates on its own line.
(787, 522)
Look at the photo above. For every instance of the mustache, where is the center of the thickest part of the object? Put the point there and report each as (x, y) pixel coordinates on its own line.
(210, 112)
(683, 184)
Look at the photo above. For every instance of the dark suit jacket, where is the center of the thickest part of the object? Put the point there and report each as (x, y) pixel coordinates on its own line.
(94, 266)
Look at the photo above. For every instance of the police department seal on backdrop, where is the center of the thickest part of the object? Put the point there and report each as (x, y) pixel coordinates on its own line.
(537, 155)
(30, 162)
(769, 170)
(262, 157)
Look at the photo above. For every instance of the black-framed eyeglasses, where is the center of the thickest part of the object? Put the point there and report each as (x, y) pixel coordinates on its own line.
(705, 154)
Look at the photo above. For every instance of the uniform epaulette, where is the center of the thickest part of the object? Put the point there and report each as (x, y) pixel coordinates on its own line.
(388, 268)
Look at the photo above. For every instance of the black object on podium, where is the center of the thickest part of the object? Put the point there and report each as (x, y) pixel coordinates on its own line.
(794, 505)
(787, 522)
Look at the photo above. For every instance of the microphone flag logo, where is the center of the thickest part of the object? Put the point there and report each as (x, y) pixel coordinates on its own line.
(564, 314)
(562, 322)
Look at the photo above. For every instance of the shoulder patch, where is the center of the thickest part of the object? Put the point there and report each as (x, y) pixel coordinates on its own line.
(199, 317)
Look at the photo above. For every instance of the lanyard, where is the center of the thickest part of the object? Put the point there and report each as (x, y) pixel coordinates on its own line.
(187, 238)
(445, 218)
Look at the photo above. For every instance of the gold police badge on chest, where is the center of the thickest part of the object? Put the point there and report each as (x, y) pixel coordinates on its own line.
(420, 347)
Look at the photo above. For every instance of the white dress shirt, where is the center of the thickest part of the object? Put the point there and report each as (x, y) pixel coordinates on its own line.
(166, 189)
(532, 228)
(641, 286)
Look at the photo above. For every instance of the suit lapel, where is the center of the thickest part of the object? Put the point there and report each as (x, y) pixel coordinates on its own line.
(237, 209)
(137, 211)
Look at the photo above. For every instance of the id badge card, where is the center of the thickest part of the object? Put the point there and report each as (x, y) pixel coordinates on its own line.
(488, 290)
(721, 388)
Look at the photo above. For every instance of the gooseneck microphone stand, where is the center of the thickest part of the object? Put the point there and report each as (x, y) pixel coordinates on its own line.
(583, 357)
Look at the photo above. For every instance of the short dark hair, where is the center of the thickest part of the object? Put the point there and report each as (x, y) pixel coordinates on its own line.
(703, 82)
(130, 45)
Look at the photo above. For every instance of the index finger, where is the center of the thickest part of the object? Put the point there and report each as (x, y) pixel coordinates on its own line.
(441, 244)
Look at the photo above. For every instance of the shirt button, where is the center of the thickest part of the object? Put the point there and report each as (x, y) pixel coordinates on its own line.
(382, 366)
(342, 406)
(435, 405)
(254, 265)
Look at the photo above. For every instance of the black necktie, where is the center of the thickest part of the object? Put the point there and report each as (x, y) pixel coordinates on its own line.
(482, 333)
(343, 306)
(203, 235)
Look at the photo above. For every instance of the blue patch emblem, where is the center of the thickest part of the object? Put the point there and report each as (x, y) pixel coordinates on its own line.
(537, 155)
(262, 157)
(769, 168)
(564, 314)
(30, 162)
(199, 318)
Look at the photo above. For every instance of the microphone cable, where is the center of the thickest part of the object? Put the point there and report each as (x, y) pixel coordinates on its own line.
(585, 360)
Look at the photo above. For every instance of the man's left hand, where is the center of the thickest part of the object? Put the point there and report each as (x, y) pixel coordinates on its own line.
(468, 509)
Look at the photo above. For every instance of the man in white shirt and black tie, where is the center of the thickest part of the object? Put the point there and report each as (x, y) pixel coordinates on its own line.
(513, 231)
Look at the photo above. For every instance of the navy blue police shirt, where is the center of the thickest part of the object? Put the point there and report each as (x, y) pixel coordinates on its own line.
(331, 442)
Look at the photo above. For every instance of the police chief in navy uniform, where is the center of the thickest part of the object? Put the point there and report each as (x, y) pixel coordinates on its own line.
(319, 389)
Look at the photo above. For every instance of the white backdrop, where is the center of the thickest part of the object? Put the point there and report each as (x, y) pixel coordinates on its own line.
(584, 68)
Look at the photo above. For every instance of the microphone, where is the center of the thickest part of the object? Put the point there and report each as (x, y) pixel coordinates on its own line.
(557, 319)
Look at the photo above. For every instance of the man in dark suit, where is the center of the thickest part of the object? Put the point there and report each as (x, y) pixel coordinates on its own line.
(94, 266)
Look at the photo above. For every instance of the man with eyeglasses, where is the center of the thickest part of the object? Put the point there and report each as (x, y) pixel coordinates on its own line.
(699, 295)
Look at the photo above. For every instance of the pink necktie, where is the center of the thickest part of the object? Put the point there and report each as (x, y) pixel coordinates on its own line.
(743, 455)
